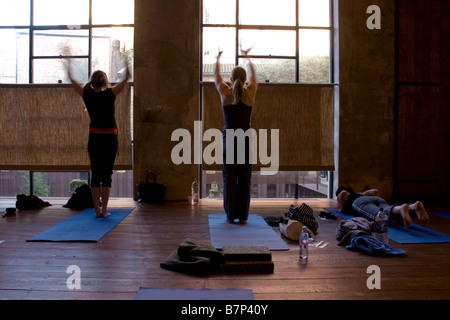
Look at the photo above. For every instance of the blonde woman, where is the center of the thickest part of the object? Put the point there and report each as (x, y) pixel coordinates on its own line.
(238, 100)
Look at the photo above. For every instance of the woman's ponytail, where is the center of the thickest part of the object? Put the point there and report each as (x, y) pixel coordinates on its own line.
(238, 76)
(238, 90)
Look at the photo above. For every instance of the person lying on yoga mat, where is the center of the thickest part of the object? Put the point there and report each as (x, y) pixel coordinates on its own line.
(368, 203)
(99, 98)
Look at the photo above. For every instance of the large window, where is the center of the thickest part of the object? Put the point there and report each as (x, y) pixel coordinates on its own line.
(39, 35)
(292, 42)
(291, 39)
(37, 38)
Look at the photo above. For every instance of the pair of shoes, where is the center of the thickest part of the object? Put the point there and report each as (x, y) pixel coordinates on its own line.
(325, 215)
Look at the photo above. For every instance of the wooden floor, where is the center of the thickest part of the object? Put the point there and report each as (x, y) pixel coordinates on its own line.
(129, 256)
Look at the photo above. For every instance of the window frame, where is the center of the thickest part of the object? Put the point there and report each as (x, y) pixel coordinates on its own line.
(32, 28)
(238, 27)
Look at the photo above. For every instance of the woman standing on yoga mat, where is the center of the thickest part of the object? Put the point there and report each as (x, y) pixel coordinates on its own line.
(237, 105)
(367, 204)
(99, 98)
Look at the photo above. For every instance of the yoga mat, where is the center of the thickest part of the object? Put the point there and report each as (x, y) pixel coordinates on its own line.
(194, 294)
(83, 227)
(255, 233)
(414, 234)
(445, 215)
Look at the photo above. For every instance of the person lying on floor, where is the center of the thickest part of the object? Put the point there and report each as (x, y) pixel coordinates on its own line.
(368, 203)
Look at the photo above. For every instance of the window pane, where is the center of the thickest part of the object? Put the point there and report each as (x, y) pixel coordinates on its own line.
(314, 56)
(292, 184)
(61, 42)
(54, 70)
(13, 183)
(15, 13)
(113, 11)
(268, 42)
(272, 70)
(213, 40)
(219, 12)
(61, 12)
(110, 49)
(314, 13)
(267, 12)
(14, 56)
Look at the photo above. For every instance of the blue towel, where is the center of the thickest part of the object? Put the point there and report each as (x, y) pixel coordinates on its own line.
(371, 245)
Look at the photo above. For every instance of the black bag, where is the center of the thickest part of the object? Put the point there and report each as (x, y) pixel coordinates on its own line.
(81, 199)
(30, 202)
(151, 192)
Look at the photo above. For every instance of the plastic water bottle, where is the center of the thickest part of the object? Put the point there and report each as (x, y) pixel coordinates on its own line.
(382, 227)
(304, 241)
(194, 192)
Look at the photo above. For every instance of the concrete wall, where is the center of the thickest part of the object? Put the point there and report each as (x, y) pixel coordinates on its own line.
(366, 110)
(166, 88)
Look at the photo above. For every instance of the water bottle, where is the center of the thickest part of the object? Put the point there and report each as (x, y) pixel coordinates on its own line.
(194, 192)
(304, 241)
(382, 227)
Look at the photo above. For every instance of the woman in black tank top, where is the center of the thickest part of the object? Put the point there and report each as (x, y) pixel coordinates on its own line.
(99, 98)
(237, 105)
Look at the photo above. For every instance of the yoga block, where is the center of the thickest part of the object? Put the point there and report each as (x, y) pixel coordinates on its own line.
(253, 253)
(248, 266)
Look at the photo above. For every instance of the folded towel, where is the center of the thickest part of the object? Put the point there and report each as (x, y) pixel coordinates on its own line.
(371, 245)
(194, 257)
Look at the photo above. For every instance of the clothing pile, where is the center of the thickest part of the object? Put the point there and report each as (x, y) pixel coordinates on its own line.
(81, 199)
(356, 234)
(25, 202)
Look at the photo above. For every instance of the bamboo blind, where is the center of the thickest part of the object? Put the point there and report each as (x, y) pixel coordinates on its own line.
(46, 128)
(302, 113)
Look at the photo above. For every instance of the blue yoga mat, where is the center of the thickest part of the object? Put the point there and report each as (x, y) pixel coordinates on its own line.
(414, 234)
(83, 227)
(255, 233)
(194, 294)
(445, 215)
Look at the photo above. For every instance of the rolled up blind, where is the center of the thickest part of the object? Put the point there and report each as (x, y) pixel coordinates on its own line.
(303, 114)
(45, 127)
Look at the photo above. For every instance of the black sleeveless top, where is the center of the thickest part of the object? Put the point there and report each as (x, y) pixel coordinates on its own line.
(352, 196)
(101, 108)
(237, 116)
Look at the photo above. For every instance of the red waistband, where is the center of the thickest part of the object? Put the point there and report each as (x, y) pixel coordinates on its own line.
(103, 130)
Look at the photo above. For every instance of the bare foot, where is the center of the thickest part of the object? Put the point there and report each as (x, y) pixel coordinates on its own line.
(422, 214)
(229, 221)
(243, 221)
(105, 215)
(404, 211)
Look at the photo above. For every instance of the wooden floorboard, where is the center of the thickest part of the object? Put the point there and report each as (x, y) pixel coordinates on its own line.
(129, 257)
